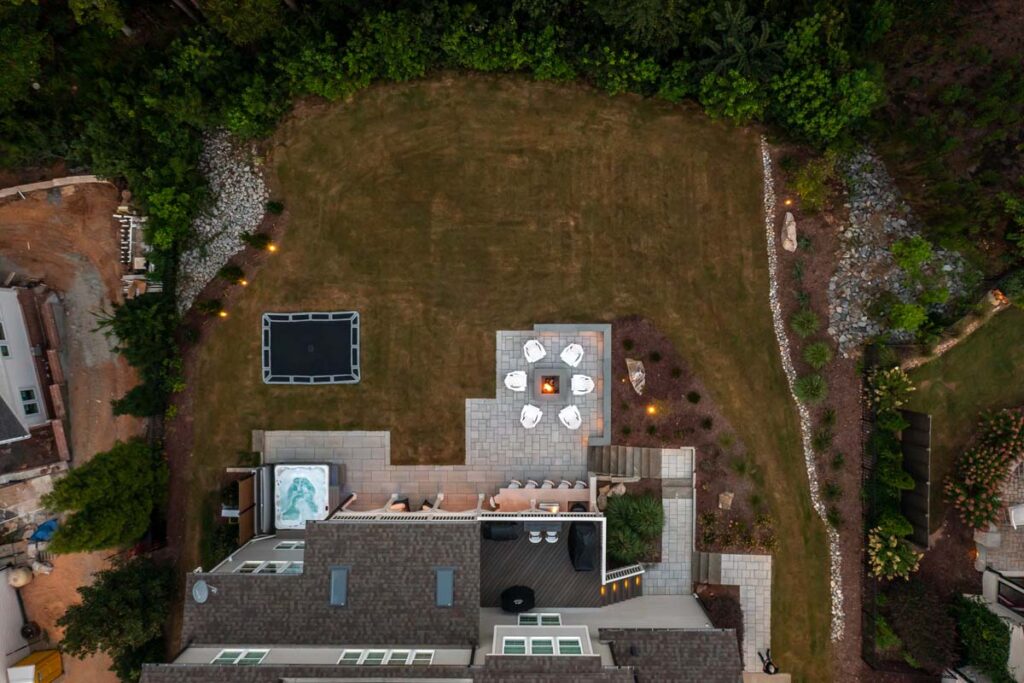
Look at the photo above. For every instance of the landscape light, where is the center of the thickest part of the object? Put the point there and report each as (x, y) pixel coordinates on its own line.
(651, 409)
(223, 314)
(244, 283)
(271, 247)
(788, 202)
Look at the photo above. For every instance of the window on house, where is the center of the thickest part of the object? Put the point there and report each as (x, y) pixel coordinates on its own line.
(350, 657)
(240, 657)
(513, 646)
(1011, 597)
(570, 646)
(422, 657)
(4, 351)
(535, 619)
(249, 567)
(339, 586)
(28, 401)
(292, 568)
(290, 545)
(374, 657)
(272, 568)
(396, 657)
(542, 646)
(445, 586)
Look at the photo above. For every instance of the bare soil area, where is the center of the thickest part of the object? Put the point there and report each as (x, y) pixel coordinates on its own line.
(67, 239)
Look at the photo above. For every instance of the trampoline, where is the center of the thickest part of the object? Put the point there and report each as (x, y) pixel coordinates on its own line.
(311, 348)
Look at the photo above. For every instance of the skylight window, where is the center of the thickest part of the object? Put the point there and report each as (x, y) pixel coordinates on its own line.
(240, 657)
(537, 619)
(542, 646)
(445, 586)
(339, 586)
(570, 646)
(513, 646)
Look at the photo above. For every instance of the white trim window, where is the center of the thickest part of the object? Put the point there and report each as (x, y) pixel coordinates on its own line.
(290, 545)
(271, 567)
(5, 350)
(540, 619)
(513, 646)
(541, 646)
(29, 400)
(570, 646)
(240, 657)
(386, 657)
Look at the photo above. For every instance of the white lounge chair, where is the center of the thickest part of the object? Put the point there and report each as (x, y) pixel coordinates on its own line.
(535, 537)
(516, 380)
(580, 484)
(570, 417)
(572, 355)
(534, 351)
(530, 416)
(1016, 516)
(515, 484)
(581, 385)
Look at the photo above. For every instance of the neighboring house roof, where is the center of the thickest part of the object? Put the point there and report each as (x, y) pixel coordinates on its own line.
(708, 655)
(11, 428)
(390, 593)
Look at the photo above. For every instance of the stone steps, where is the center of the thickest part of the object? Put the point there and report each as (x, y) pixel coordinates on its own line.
(625, 461)
(707, 567)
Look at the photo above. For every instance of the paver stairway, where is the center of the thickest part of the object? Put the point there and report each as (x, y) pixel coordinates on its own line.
(625, 461)
(707, 567)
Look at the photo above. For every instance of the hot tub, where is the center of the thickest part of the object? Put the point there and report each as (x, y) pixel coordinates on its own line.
(301, 494)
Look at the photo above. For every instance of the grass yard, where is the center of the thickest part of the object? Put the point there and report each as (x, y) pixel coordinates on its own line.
(447, 209)
(984, 372)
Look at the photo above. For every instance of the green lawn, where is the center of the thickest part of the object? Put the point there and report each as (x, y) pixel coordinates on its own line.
(447, 209)
(984, 372)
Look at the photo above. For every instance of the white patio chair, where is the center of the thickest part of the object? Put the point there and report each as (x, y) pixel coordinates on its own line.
(530, 416)
(572, 355)
(551, 536)
(570, 417)
(515, 484)
(547, 484)
(516, 380)
(582, 385)
(531, 483)
(1016, 516)
(534, 351)
(580, 484)
(535, 537)
(565, 484)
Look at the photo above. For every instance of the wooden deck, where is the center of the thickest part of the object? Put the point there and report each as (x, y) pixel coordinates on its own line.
(544, 567)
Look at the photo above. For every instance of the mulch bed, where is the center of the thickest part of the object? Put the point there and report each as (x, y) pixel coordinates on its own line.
(678, 420)
(839, 463)
(722, 603)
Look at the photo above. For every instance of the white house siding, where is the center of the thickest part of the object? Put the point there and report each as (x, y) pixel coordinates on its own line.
(18, 370)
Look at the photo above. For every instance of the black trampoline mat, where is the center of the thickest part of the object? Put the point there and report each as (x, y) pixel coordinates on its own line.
(311, 348)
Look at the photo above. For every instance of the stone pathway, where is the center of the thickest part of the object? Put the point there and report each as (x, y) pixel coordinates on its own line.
(753, 574)
(673, 575)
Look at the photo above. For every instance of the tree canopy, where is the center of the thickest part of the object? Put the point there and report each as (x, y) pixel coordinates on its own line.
(110, 498)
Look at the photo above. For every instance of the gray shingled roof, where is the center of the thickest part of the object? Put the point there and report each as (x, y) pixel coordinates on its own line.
(708, 656)
(10, 426)
(391, 591)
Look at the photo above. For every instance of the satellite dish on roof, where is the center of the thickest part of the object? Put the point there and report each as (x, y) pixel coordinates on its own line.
(201, 591)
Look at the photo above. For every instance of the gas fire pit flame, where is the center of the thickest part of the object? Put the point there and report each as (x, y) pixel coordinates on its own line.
(549, 385)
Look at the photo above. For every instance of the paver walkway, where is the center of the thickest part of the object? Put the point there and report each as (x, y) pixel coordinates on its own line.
(753, 574)
(672, 576)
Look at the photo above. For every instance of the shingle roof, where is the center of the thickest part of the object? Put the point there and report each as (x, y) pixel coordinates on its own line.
(391, 591)
(704, 655)
(10, 426)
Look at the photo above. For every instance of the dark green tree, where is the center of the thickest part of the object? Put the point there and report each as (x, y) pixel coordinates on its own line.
(655, 25)
(24, 48)
(110, 498)
(245, 21)
(121, 614)
(740, 43)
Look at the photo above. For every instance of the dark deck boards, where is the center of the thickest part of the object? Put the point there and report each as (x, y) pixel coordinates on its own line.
(544, 567)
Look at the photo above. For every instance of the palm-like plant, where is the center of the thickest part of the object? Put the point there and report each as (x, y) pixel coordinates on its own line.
(739, 45)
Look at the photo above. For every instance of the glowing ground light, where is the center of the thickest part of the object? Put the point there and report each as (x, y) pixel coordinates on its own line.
(223, 314)
(244, 283)
(652, 409)
(788, 202)
(271, 247)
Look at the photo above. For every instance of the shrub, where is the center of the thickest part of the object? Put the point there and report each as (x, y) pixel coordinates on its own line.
(973, 487)
(624, 545)
(209, 306)
(654, 356)
(733, 96)
(805, 322)
(627, 430)
(890, 556)
(1012, 285)
(912, 253)
(677, 372)
(122, 613)
(828, 417)
(834, 517)
(813, 183)
(885, 638)
(909, 317)
(652, 430)
(642, 514)
(275, 207)
(921, 620)
(889, 389)
(838, 460)
(984, 638)
(693, 397)
(822, 439)
(811, 388)
(707, 423)
(256, 240)
(818, 354)
(627, 344)
(832, 491)
(232, 273)
(110, 498)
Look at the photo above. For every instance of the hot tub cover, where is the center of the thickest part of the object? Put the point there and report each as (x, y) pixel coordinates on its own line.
(301, 493)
